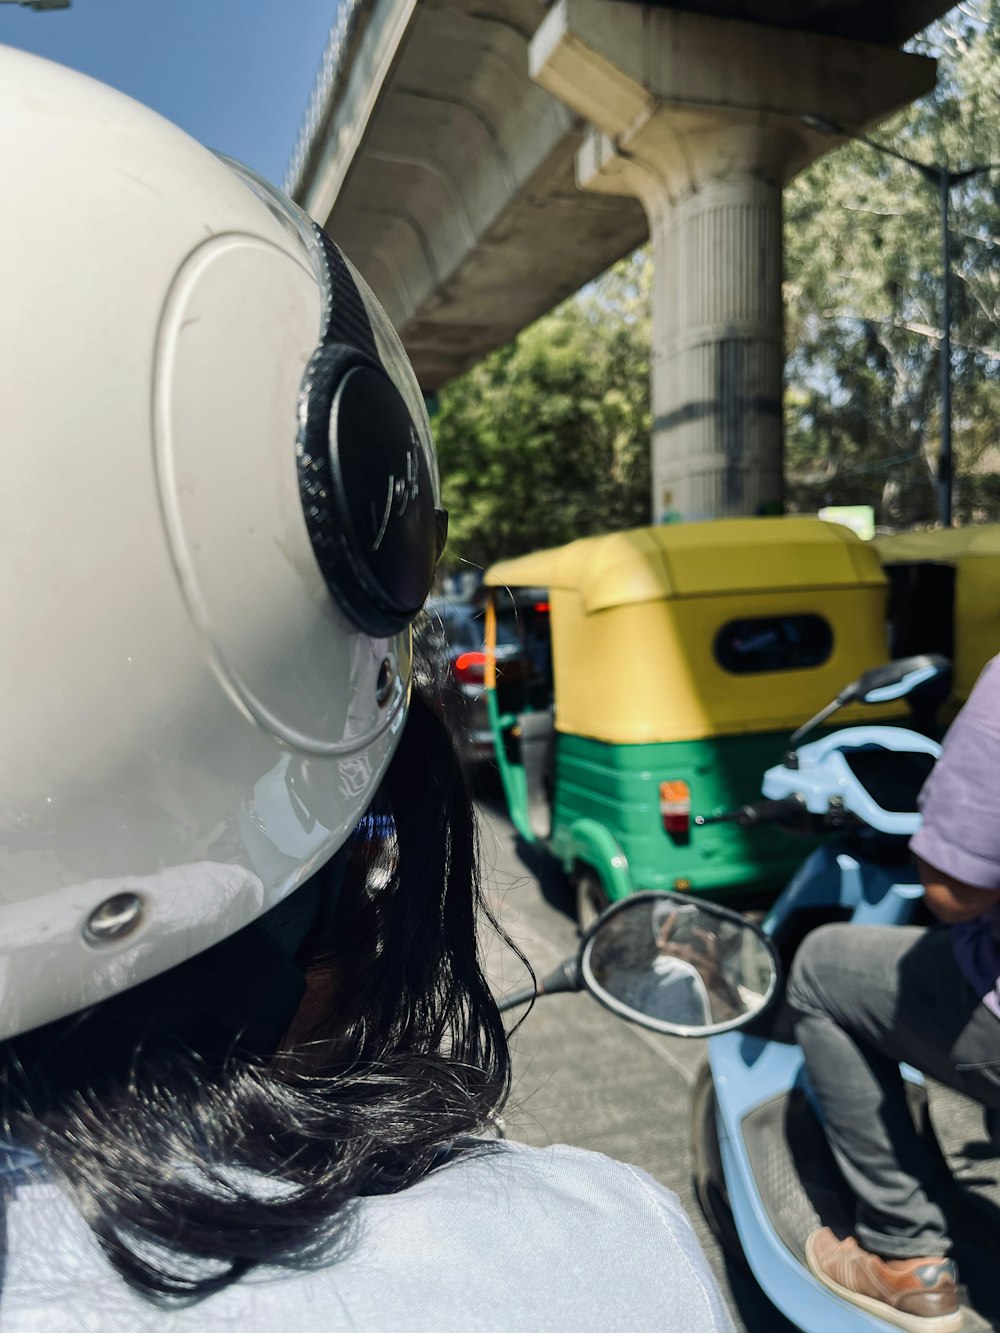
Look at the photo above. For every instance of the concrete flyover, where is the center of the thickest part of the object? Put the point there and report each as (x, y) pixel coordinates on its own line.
(448, 177)
(481, 159)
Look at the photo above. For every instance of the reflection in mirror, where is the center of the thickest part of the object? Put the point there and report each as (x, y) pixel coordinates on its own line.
(679, 966)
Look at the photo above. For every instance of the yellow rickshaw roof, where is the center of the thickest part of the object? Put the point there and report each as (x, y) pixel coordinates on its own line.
(719, 556)
(940, 544)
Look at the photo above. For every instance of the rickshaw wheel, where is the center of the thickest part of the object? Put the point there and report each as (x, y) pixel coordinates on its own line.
(591, 900)
(707, 1175)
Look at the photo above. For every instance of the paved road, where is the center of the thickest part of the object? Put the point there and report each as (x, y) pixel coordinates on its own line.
(582, 1076)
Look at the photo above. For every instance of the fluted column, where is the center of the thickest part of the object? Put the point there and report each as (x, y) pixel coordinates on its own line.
(717, 354)
(702, 120)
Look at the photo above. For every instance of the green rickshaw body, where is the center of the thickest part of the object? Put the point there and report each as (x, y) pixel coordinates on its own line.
(617, 788)
(680, 658)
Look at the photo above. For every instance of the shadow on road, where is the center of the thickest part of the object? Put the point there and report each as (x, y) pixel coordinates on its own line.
(484, 783)
(752, 1307)
(556, 888)
(487, 791)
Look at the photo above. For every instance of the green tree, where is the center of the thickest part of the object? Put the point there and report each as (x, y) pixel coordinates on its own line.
(548, 439)
(863, 269)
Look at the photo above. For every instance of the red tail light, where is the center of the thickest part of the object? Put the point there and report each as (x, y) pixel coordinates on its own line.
(469, 668)
(675, 808)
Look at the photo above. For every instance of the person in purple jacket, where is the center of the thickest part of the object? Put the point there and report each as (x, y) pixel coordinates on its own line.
(869, 997)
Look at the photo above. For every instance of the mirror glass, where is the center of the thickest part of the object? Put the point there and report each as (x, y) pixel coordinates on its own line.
(679, 966)
(896, 679)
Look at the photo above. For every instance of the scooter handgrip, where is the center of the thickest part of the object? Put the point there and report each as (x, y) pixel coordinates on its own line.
(770, 812)
(727, 817)
(760, 812)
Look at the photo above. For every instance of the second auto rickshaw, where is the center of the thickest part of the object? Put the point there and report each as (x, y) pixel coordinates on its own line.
(670, 665)
(944, 597)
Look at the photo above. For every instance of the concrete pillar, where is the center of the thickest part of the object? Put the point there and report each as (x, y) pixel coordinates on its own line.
(701, 119)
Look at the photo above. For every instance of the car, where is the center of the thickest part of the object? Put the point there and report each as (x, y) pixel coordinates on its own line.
(451, 659)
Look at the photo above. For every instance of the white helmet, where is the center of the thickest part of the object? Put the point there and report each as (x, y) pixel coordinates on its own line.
(219, 512)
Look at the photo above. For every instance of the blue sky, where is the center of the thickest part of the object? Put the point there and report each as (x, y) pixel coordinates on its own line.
(235, 74)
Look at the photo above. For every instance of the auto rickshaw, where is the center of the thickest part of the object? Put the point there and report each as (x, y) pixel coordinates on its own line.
(944, 597)
(670, 665)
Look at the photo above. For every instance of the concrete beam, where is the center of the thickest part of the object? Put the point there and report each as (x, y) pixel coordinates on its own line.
(618, 66)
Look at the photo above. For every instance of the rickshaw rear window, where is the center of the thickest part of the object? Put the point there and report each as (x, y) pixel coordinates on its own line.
(773, 643)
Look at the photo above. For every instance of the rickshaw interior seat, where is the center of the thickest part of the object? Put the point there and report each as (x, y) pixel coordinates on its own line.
(921, 612)
(944, 597)
(537, 754)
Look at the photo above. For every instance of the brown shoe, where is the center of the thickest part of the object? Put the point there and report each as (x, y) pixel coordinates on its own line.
(919, 1295)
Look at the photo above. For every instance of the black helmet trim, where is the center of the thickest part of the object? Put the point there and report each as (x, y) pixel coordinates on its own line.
(364, 479)
(363, 476)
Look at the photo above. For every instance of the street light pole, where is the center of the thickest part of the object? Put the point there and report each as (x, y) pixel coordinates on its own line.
(944, 180)
(945, 470)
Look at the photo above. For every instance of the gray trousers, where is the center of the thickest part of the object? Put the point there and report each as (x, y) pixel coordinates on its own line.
(867, 998)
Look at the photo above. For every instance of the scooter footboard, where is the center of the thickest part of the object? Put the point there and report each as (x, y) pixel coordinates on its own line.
(778, 1175)
(794, 1170)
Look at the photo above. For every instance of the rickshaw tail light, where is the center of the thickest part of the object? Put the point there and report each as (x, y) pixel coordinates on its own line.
(675, 808)
(470, 668)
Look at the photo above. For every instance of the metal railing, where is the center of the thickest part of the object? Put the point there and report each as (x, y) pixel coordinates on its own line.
(323, 91)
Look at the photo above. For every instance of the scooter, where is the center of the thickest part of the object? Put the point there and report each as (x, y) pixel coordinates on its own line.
(763, 1172)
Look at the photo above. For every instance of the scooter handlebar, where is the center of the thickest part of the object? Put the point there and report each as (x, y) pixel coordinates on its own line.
(757, 812)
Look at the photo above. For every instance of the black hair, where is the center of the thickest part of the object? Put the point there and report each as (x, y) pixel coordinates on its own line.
(395, 1059)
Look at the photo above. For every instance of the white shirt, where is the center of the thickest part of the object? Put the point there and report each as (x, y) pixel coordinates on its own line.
(541, 1241)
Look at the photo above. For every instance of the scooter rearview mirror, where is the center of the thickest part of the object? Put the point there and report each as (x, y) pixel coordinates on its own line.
(897, 679)
(879, 685)
(678, 965)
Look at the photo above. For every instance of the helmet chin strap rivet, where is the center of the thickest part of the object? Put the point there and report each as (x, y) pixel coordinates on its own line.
(385, 681)
(114, 919)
